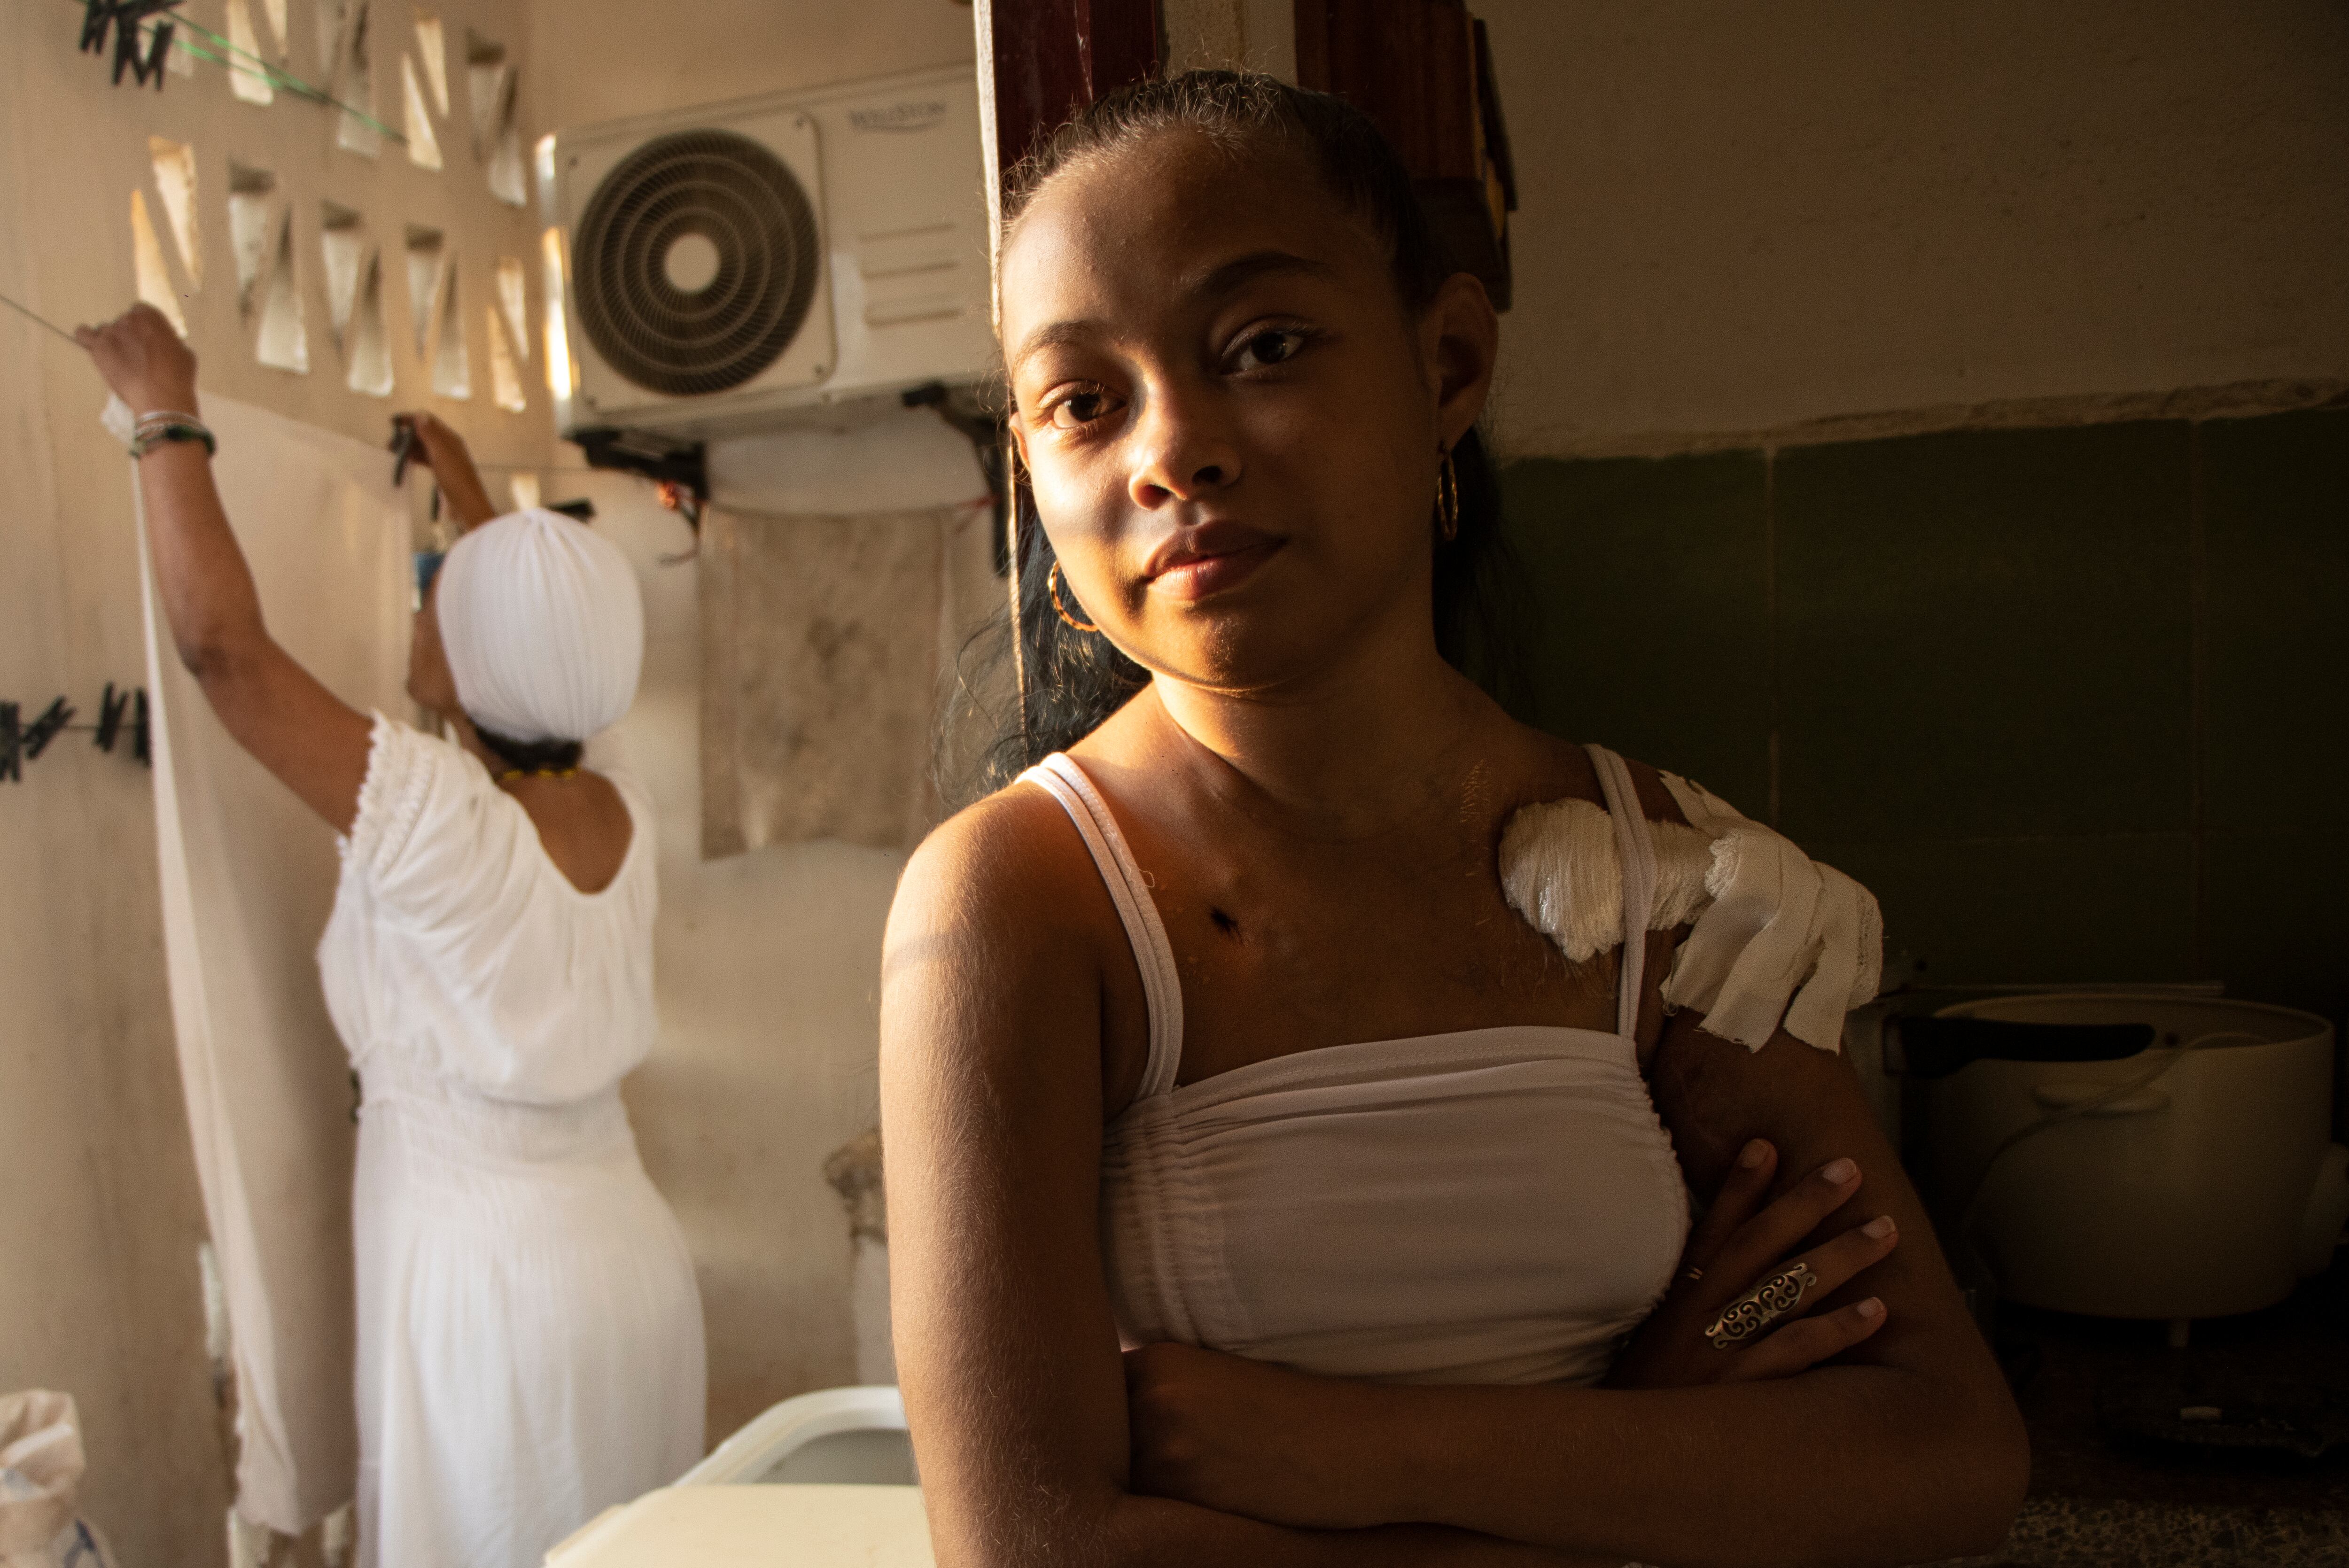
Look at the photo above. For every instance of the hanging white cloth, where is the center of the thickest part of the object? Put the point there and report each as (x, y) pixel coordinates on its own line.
(822, 640)
(248, 876)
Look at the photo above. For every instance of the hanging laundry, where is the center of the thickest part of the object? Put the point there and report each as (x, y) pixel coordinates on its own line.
(248, 877)
(820, 642)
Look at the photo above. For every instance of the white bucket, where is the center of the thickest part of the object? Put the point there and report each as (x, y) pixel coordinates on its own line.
(2192, 1180)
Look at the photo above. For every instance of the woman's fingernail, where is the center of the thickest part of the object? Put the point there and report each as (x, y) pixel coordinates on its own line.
(1841, 1171)
(1872, 1307)
(1878, 1228)
(1752, 1154)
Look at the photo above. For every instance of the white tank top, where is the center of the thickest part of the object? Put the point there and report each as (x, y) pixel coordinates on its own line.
(1497, 1205)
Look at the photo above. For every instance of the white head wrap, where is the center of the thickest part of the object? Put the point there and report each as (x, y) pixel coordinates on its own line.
(543, 626)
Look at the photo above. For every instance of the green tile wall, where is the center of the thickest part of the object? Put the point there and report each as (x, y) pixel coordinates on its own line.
(2073, 702)
(2276, 588)
(2043, 910)
(1986, 635)
(1652, 582)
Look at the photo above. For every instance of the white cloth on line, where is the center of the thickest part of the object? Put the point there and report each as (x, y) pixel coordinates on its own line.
(821, 639)
(542, 624)
(529, 1335)
(247, 877)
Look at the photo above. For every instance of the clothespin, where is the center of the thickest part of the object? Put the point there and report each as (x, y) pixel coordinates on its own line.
(124, 17)
(403, 442)
(111, 707)
(126, 53)
(44, 730)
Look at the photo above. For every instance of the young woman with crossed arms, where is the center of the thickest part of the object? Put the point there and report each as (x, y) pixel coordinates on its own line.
(1216, 1042)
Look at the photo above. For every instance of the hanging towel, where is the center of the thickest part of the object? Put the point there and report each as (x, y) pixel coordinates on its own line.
(820, 651)
(248, 877)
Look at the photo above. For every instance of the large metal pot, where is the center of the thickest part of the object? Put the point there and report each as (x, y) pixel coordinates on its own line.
(2194, 1179)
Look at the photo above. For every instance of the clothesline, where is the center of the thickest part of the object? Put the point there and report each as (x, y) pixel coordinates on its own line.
(31, 315)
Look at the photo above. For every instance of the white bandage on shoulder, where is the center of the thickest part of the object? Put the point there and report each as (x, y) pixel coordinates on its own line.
(1786, 943)
(1776, 940)
(1562, 869)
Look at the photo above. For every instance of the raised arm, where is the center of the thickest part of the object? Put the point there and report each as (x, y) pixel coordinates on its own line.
(992, 1087)
(300, 731)
(442, 451)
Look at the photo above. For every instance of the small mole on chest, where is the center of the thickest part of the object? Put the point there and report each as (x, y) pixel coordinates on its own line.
(1224, 923)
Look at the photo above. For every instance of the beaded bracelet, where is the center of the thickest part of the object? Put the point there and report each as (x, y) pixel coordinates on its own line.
(151, 436)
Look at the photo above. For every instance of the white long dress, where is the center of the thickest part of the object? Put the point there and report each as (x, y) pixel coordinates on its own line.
(529, 1335)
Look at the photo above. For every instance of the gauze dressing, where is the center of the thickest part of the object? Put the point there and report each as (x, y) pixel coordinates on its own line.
(1775, 941)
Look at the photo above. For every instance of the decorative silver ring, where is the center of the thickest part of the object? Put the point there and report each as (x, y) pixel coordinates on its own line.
(1763, 1306)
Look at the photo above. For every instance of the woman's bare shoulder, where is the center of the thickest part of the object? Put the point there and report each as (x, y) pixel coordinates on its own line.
(1005, 955)
(1554, 768)
(1007, 881)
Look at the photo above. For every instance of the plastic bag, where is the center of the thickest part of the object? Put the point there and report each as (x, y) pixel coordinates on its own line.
(41, 1464)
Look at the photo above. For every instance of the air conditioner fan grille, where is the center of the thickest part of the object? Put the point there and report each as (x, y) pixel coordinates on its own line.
(737, 196)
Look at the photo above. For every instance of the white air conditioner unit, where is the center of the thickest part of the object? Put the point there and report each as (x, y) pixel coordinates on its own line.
(773, 261)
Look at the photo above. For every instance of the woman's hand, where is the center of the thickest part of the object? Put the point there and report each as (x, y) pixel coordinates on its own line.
(1740, 1243)
(443, 451)
(144, 360)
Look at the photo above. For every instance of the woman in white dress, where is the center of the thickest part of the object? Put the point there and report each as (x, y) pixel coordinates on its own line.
(529, 1335)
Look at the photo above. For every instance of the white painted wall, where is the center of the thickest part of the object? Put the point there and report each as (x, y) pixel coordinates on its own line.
(768, 975)
(769, 962)
(1744, 217)
(768, 967)
(610, 60)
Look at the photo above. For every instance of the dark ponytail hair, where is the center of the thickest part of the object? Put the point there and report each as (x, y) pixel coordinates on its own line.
(1064, 683)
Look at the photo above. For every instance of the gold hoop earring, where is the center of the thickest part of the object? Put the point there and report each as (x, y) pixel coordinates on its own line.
(1052, 582)
(1447, 501)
